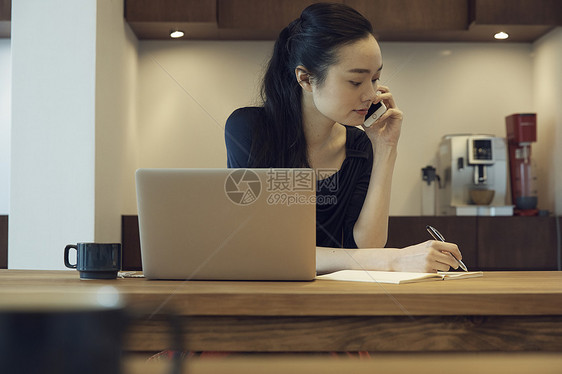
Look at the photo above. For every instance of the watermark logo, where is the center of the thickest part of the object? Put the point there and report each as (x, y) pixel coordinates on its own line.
(328, 179)
(290, 180)
(242, 186)
(281, 187)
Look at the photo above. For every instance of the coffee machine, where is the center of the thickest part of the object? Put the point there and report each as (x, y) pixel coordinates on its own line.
(521, 132)
(472, 170)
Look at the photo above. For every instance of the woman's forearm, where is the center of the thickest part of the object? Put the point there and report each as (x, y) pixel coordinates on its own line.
(429, 256)
(334, 259)
(371, 228)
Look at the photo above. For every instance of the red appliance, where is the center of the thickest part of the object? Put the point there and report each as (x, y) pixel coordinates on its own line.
(521, 132)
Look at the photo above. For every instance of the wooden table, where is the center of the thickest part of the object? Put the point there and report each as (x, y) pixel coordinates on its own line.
(468, 363)
(502, 311)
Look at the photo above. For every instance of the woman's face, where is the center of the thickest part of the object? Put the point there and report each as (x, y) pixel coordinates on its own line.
(351, 84)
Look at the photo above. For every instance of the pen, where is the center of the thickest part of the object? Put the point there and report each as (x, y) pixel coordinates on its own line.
(437, 236)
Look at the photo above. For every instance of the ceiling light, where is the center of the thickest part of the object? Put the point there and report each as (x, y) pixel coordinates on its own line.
(501, 35)
(176, 34)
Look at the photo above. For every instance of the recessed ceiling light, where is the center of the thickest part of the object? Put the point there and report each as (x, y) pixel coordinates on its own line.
(501, 35)
(176, 34)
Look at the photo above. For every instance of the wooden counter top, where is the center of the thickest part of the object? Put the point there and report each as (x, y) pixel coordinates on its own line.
(496, 293)
(501, 311)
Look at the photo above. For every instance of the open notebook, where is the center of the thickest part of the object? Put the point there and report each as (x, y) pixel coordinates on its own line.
(396, 277)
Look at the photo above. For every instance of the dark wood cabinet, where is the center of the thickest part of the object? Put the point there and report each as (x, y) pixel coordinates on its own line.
(3, 242)
(488, 243)
(131, 259)
(525, 243)
(405, 231)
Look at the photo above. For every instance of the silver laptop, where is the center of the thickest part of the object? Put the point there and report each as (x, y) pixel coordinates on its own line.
(227, 224)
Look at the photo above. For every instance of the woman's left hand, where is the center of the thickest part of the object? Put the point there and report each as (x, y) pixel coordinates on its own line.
(386, 130)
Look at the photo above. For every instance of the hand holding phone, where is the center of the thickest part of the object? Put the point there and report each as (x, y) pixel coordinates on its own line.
(375, 112)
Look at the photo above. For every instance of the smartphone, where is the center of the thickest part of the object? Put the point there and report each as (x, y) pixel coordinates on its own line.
(375, 112)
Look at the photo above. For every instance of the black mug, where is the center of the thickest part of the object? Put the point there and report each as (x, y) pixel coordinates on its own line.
(95, 260)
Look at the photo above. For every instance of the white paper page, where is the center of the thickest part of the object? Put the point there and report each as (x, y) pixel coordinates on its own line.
(394, 277)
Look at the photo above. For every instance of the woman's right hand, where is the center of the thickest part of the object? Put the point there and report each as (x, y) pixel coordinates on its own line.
(427, 257)
(386, 130)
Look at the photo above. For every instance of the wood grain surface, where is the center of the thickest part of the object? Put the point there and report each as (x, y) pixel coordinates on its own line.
(502, 311)
(496, 293)
(536, 363)
(350, 334)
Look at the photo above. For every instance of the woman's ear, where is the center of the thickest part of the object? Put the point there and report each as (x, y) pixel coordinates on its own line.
(303, 78)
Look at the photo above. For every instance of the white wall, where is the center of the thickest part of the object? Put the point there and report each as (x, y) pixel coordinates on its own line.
(73, 133)
(445, 89)
(188, 89)
(53, 114)
(164, 104)
(116, 146)
(5, 118)
(547, 89)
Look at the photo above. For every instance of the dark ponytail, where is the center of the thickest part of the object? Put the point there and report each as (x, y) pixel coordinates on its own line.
(311, 41)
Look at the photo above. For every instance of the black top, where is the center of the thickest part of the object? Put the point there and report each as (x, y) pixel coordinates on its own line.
(339, 198)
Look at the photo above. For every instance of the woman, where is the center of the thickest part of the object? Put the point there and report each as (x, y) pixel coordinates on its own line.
(321, 80)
